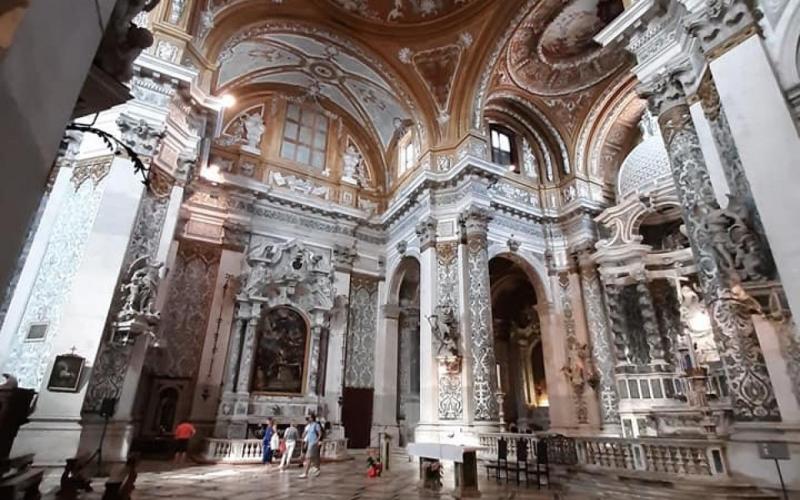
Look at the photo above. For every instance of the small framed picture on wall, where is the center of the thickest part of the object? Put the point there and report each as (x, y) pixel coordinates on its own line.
(66, 374)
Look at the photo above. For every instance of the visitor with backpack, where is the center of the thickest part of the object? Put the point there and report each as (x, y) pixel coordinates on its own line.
(312, 434)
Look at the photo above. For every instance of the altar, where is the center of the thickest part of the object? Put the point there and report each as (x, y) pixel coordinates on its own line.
(464, 457)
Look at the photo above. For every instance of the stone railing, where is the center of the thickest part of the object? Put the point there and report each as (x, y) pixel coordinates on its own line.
(249, 451)
(695, 457)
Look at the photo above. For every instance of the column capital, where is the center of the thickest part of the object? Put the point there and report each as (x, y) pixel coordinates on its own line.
(475, 220)
(343, 257)
(720, 25)
(140, 135)
(663, 93)
(426, 233)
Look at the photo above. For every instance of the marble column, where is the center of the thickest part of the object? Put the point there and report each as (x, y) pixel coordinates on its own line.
(751, 390)
(384, 413)
(761, 126)
(616, 323)
(334, 366)
(232, 366)
(650, 329)
(602, 351)
(429, 386)
(452, 393)
(475, 221)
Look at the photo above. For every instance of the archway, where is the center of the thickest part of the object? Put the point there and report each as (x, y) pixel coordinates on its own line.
(518, 346)
(406, 295)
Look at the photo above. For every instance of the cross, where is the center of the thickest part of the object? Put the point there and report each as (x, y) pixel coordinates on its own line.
(72, 350)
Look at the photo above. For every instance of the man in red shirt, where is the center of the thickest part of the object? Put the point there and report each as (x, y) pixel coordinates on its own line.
(183, 433)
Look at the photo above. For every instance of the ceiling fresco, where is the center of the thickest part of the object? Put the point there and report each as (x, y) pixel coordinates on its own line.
(552, 52)
(322, 65)
(401, 11)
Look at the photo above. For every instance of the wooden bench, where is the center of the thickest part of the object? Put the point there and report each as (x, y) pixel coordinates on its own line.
(17, 480)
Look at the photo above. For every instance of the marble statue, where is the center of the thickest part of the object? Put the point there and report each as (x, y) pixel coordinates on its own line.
(254, 129)
(735, 242)
(445, 329)
(579, 369)
(123, 41)
(139, 291)
(351, 163)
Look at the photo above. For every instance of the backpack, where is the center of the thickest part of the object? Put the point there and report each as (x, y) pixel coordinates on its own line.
(320, 431)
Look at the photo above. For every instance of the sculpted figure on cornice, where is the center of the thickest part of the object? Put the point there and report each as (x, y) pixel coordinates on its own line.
(288, 273)
(123, 40)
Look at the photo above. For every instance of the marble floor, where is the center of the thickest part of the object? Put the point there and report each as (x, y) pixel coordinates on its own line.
(337, 481)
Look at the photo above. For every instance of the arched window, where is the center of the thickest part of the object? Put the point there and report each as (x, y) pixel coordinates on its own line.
(405, 155)
(305, 136)
(502, 142)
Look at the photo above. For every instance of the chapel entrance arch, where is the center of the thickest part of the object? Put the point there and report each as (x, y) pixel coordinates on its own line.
(518, 346)
(405, 295)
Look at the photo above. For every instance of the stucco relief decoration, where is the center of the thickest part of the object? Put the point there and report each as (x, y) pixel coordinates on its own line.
(552, 53)
(140, 135)
(437, 68)
(298, 184)
(326, 66)
(401, 11)
(289, 273)
(362, 329)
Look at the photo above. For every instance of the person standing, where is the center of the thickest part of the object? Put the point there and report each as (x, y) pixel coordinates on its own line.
(275, 440)
(290, 436)
(183, 433)
(267, 443)
(311, 436)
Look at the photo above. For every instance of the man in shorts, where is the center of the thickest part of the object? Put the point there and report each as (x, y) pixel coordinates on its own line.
(183, 433)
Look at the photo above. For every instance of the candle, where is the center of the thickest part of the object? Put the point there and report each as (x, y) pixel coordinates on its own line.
(499, 384)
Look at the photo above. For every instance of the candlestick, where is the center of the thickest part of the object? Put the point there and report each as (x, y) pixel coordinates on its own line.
(499, 384)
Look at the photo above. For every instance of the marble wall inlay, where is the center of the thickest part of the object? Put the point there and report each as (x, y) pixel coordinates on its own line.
(361, 332)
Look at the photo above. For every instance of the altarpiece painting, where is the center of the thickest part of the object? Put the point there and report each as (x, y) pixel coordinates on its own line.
(281, 352)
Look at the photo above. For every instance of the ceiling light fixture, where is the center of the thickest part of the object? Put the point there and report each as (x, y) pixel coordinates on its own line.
(227, 100)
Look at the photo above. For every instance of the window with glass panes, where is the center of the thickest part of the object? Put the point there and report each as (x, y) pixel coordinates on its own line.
(406, 157)
(305, 136)
(501, 147)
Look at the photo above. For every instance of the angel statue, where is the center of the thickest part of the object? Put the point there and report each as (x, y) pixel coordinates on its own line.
(139, 291)
(444, 329)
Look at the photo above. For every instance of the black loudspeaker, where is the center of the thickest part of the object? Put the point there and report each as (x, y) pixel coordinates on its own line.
(108, 407)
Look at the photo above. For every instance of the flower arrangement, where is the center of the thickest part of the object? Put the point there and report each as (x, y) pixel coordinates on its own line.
(374, 465)
(432, 474)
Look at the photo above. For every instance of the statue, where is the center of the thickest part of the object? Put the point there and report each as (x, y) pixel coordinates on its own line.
(139, 291)
(123, 41)
(254, 129)
(580, 368)
(526, 335)
(445, 329)
(736, 244)
(9, 383)
(351, 164)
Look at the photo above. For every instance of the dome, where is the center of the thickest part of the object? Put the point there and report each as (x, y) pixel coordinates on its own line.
(646, 166)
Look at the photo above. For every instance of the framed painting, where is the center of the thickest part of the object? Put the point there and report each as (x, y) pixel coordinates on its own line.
(66, 374)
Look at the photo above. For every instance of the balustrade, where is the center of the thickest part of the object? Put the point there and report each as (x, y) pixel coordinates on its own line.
(681, 457)
(249, 451)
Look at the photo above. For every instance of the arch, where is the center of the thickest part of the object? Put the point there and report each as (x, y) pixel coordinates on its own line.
(785, 43)
(397, 274)
(534, 269)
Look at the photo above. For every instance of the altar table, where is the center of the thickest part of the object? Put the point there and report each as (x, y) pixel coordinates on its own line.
(464, 457)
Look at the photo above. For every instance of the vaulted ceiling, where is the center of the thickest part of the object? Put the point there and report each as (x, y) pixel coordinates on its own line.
(436, 65)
